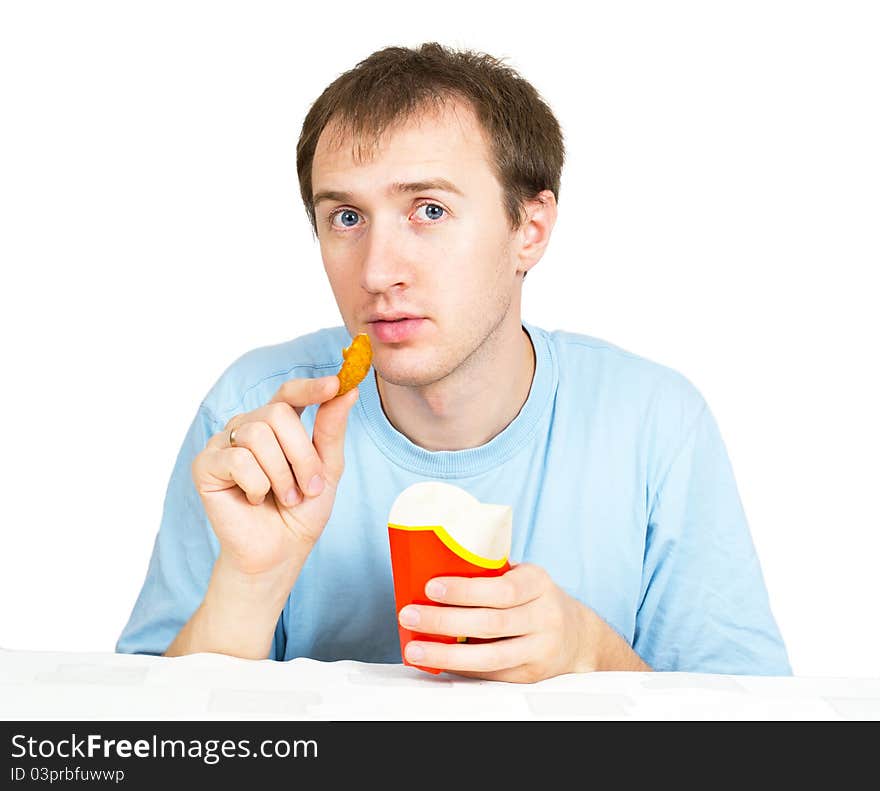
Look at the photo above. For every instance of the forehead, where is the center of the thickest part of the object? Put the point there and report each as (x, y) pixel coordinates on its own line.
(446, 141)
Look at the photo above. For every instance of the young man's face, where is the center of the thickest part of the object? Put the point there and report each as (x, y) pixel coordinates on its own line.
(442, 253)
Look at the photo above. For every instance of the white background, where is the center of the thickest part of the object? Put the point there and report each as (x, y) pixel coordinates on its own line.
(718, 214)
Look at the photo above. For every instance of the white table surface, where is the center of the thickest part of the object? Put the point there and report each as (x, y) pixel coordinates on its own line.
(45, 685)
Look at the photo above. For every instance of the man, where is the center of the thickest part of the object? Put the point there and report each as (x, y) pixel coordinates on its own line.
(431, 179)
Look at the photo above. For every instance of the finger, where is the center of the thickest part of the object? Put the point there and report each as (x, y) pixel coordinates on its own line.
(480, 657)
(301, 455)
(216, 470)
(262, 441)
(296, 393)
(523, 583)
(300, 393)
(328, 434)
(298, 449)
(485, 622)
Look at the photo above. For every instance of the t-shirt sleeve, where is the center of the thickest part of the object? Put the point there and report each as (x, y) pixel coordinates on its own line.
(183, 557)
(704, 605)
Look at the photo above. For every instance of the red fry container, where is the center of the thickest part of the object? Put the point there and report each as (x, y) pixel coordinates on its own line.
(465, 538)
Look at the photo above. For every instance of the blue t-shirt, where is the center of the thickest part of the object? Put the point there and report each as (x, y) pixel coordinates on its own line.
(620, 484)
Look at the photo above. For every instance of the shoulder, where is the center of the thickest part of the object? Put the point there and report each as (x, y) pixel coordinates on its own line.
(254, 377)
(606, 371)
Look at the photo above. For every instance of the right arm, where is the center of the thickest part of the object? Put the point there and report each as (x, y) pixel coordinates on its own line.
(259, 500)
(238, 614)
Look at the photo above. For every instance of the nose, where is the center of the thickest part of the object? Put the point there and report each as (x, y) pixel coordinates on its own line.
(383, 266)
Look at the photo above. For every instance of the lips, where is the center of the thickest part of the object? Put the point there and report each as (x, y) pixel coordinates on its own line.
(395, 330)
(392, 315)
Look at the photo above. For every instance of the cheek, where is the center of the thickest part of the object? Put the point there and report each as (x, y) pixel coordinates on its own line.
(342, 284)
(467, 274)
(338, 261)
(330, 248)
(468, 251)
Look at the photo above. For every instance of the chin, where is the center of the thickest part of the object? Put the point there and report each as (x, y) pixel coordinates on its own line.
(408, 373)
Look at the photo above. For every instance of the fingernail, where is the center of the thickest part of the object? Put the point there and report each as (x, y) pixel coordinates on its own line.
(436, 590)
(293, 497)
(415, 652)
(409, 616)
(316, 485)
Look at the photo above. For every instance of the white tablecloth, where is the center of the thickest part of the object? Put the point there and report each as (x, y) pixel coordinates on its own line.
(41, 685)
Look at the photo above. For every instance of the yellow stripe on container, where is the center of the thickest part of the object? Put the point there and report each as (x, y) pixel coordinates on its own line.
(458, 549)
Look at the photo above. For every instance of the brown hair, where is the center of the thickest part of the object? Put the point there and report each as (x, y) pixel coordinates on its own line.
(395, 83)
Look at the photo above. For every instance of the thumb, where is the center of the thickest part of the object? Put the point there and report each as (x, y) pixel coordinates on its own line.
(328, 434)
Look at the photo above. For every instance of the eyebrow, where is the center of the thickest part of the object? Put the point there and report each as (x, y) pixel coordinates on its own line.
(397, 187)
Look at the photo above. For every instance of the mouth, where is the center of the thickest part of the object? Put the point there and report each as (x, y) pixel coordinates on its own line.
(395, 330)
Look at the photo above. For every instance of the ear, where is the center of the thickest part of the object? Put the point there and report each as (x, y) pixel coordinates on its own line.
(534, 234)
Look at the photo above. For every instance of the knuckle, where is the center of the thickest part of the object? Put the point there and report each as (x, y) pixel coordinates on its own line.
(323, 434)
(508, 593)
(435, 620)
(278, 411)
(239, 458)
(468, 589)
(497, 622)
(261, 431)
(543, 577)
(538, 574)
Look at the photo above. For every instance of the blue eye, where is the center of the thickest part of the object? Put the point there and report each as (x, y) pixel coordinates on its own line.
(348, 217)
(432, 210)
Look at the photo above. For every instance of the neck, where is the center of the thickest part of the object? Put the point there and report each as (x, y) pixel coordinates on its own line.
(475, 403)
